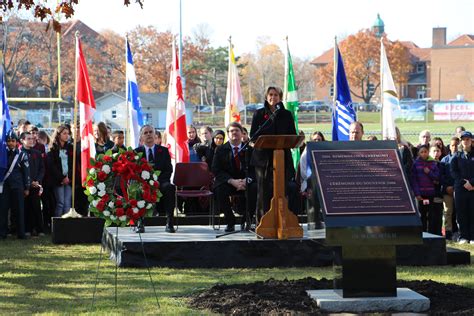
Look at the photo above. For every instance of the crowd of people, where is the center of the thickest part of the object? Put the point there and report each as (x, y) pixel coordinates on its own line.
(38, 180)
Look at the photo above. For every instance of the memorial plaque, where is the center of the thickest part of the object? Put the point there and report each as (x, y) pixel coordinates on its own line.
(362, 182)
(368, 209)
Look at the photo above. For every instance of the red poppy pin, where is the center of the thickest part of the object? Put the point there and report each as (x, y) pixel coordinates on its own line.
(159, 150)
(266, 116)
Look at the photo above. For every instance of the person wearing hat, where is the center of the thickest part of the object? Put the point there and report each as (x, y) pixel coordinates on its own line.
(14, 188)
(462, 170)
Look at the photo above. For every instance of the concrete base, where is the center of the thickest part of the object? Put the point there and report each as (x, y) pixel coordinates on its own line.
(405, 301)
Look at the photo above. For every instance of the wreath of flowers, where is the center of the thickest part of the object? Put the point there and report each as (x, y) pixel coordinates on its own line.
(129, 174)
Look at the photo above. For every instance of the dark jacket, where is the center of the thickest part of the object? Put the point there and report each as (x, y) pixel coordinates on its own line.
(424, 184)
(36, 164)
(282, 124)
(224, 167)
(19, 178)
(54, 166)
(162, 161)
(462, 167)
(445, 172)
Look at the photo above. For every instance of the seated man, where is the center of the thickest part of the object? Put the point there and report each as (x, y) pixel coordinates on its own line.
(230, 165)
(161, 160)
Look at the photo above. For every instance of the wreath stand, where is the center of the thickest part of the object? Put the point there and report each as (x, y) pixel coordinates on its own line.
(116, 268)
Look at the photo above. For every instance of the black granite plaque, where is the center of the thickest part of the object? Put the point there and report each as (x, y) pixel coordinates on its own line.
(365, 181)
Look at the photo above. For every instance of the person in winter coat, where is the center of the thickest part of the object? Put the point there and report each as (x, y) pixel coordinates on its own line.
(424, 174)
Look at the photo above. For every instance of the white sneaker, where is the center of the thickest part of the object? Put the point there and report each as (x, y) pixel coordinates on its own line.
(472, 242)
(463, 241)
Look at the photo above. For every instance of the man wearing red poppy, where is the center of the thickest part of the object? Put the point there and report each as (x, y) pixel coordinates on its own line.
(160, 158)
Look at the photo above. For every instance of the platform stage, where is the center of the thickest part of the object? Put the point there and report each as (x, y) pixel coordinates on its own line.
(198, 247)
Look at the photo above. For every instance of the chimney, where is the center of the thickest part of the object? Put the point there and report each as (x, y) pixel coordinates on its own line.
(439, 36)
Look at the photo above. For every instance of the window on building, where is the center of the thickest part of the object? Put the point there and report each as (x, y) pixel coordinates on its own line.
(147, 118)
(421, 92)
(331, 90)
(114, 114)
(420, 68)
(371, 89)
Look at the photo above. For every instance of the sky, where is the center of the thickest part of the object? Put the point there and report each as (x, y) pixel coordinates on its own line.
(310, 25)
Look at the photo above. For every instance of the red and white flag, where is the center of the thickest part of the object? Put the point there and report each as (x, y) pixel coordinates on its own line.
(86, 111)
(176, 133)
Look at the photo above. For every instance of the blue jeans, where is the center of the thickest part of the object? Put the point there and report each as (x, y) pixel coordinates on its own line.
(63, 196)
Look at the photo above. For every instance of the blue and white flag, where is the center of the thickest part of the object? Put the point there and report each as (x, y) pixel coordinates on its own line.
(5, 126)
(135, 115)
(343, 113)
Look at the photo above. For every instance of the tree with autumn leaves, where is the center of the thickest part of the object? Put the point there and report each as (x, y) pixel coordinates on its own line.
(361, 55)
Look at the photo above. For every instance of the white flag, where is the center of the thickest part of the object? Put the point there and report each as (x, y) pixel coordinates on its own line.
(390, 101)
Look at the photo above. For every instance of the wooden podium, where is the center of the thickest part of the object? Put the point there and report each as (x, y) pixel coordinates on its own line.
(279, 222)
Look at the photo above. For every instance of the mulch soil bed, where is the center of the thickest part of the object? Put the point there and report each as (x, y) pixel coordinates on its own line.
(290, 297)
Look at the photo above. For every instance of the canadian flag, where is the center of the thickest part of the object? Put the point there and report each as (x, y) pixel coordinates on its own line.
(86, 111)
(176, 133)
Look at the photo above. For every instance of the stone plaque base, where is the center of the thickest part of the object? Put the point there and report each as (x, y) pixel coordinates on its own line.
(405, 301)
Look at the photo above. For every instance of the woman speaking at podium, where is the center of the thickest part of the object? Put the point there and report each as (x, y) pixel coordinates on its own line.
(272, 119)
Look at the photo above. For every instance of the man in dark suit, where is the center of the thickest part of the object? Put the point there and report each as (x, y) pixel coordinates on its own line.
(161, 160)
(232, 176)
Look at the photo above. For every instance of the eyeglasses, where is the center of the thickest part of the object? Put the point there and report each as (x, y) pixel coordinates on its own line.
(219, 138)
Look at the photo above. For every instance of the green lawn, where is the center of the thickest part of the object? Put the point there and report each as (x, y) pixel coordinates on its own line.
(39, 277)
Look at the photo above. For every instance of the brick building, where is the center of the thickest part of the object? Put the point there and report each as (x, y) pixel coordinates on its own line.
(443, 72)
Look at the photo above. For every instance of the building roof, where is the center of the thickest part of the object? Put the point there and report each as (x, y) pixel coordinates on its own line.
(417, 79)
(325, 58)
(463, 40)
(81, 27)
(417, 54)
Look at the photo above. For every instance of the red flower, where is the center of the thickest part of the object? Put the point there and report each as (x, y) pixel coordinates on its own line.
(119, 203)
(107, 159)
(105, 198)
(102, 176)
(133, 203)
(147, 196)
(101, 206)
(90, 183)
(120, 212)
(98, 164)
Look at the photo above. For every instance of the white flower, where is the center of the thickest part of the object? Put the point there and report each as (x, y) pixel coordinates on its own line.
(135, 210)
(95, 202)
(141, 204)
(123, 218)
(113, 217)
(106, 213)
(155, 177)
(148, 206)
(115, 155)
(145, 175)
(101, 193)
(106, 169)
(92, 190)
(101, 186)
(111, 204)
(136, 157)
(92, 171)
(151, 182)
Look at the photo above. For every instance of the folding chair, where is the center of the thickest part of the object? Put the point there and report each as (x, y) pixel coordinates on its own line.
(193, 180)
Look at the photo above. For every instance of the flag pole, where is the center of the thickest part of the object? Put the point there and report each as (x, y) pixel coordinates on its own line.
(381, 88)
(72, 211)
(127, 104)
(334, 89)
